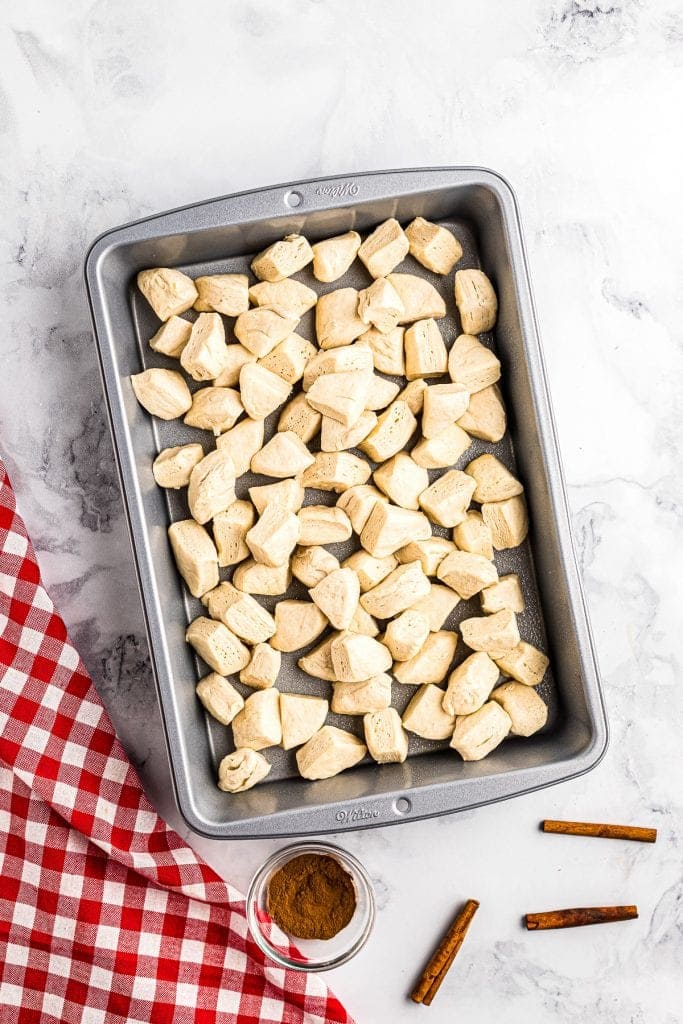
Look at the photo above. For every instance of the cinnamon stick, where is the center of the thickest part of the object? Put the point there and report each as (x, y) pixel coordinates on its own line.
(589, 828)
(578, 916)
(445, 954)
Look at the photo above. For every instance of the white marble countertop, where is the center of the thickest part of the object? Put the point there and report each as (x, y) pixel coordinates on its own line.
(112, 111)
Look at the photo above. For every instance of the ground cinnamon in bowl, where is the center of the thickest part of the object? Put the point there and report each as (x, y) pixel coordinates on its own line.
(311, 897)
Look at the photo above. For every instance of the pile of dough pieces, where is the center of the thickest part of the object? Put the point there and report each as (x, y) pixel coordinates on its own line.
(379, 614)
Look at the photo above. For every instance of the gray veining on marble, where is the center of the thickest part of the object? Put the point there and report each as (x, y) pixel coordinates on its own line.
(111, 111)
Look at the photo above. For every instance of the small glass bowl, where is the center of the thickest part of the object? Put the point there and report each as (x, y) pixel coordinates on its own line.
(310, 954)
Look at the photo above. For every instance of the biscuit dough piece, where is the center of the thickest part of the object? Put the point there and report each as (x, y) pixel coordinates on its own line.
(472, 364)
(321, 524)
(337, 597)
(283, 456)
(413, 395)
(212, 486)
(329, 752)
(387, 349)
(333, 256)
(446, 501)
(442, 451)
(299, 417)
(476, 735)
(301, 718)
(311, 565)
(369, 570)
(429, 553)
(426, 354)
(230, 530)
(433, 246)
(400, 590)
(206, 355)
(263, 668)
(406, 635)
(425, 715)
(216, 409)
(241, 443)
(527, 711)
(476, 301)
(222, 293)
(382, 393)
(473, 535)
(217, 645)
(363, 623)
(219, 697)
(437, 605)
(288, 492)
(384, 735)
(260, 330)
(254, 578)
(235, 357)
(163, 393)
(380, 305)
(389, 528)
(282, 259)
(289, 298)
(495, 634)
(358, 502)
(431, 663)
(169, 292)
(443, 405)
(525, 663)
(470, 684)
(242, 770)
(419, 298)
(384, 249)
(467, 574)
(338, 360)
(318, 662)
(243, 616)
(494, 481)
(402, 480)
(288, 359)
(337, 322)
(258, 724)
(273, 538)
(362, 698)
(336, 471)
(356, 657)
(334, 437)
(508, 522)
(485, 417)
(195, 555)
(298, 623)
(342, 396)
(172, 337)
(394, 429)
(173, 466)
(507, 593)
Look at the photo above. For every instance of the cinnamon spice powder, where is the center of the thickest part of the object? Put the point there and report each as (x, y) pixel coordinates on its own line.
(311, 897)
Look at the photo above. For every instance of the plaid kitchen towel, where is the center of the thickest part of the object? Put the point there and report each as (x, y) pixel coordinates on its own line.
(106, 915)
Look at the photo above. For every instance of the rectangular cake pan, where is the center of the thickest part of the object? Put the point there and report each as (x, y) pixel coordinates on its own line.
(221, 235)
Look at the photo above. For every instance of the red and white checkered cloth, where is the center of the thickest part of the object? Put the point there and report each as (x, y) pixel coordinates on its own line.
(106, 915)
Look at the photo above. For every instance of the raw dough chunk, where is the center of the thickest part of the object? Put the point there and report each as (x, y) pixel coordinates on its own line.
(254, 578)
(337, 597)
(334, 437)
(394, 429)
(431, 663)
(219, 697)
(212, 486)
(173, 466)
(426, 354)
(299, 623)
(241, 443)
(496, 634)
(195, 555)
(429, 553)
(313, 564)
(413, 395)
(288, 492)
(386, 741)
(507, 520)
(336, 471)
(333, 257)
(442, 451)
(447, 499)
(485, 416)
(358, 503)
(222, 293)
(473, 535)
(419, 298)
(216, 409)
(507, 593)
(387, 349)
(169, 292)
(478, 734)
(206, 355)
(472, 364)
(525, 663)
(402, 480)
(288, 359)
(527, 711)
(384, 249)
(389, 528)
(260, 330)
(290, 299)
(400, 590)
(362, 698)
(235, 357)
(342, 396)
(323, 525)
(338, 360)
(433, 246)
(329, 752)
(243, 616)
(172, 337)
(363, 623)
(230, 530)
(162, 393)
(494, 482)
(217, 645)
(443, 405)
(369, 570)
(285, 455)
(380, 306)
(301, 718)
(300, 418)
(263, 668)
(356, 657)
(241, 770)
(282, 259)
(467, 574)
(318, 662)
(262, 391)
(406, 635)
(476, 301)
(382, 393)
(336, 318)
(437, 605)
(275, 535)
(470, 684)
(258, 724)
(425, 715)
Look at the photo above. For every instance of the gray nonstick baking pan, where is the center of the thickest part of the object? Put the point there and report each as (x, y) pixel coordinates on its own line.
(222, 235)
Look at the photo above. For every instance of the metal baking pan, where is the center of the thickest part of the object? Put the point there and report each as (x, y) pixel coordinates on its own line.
(221, 235)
